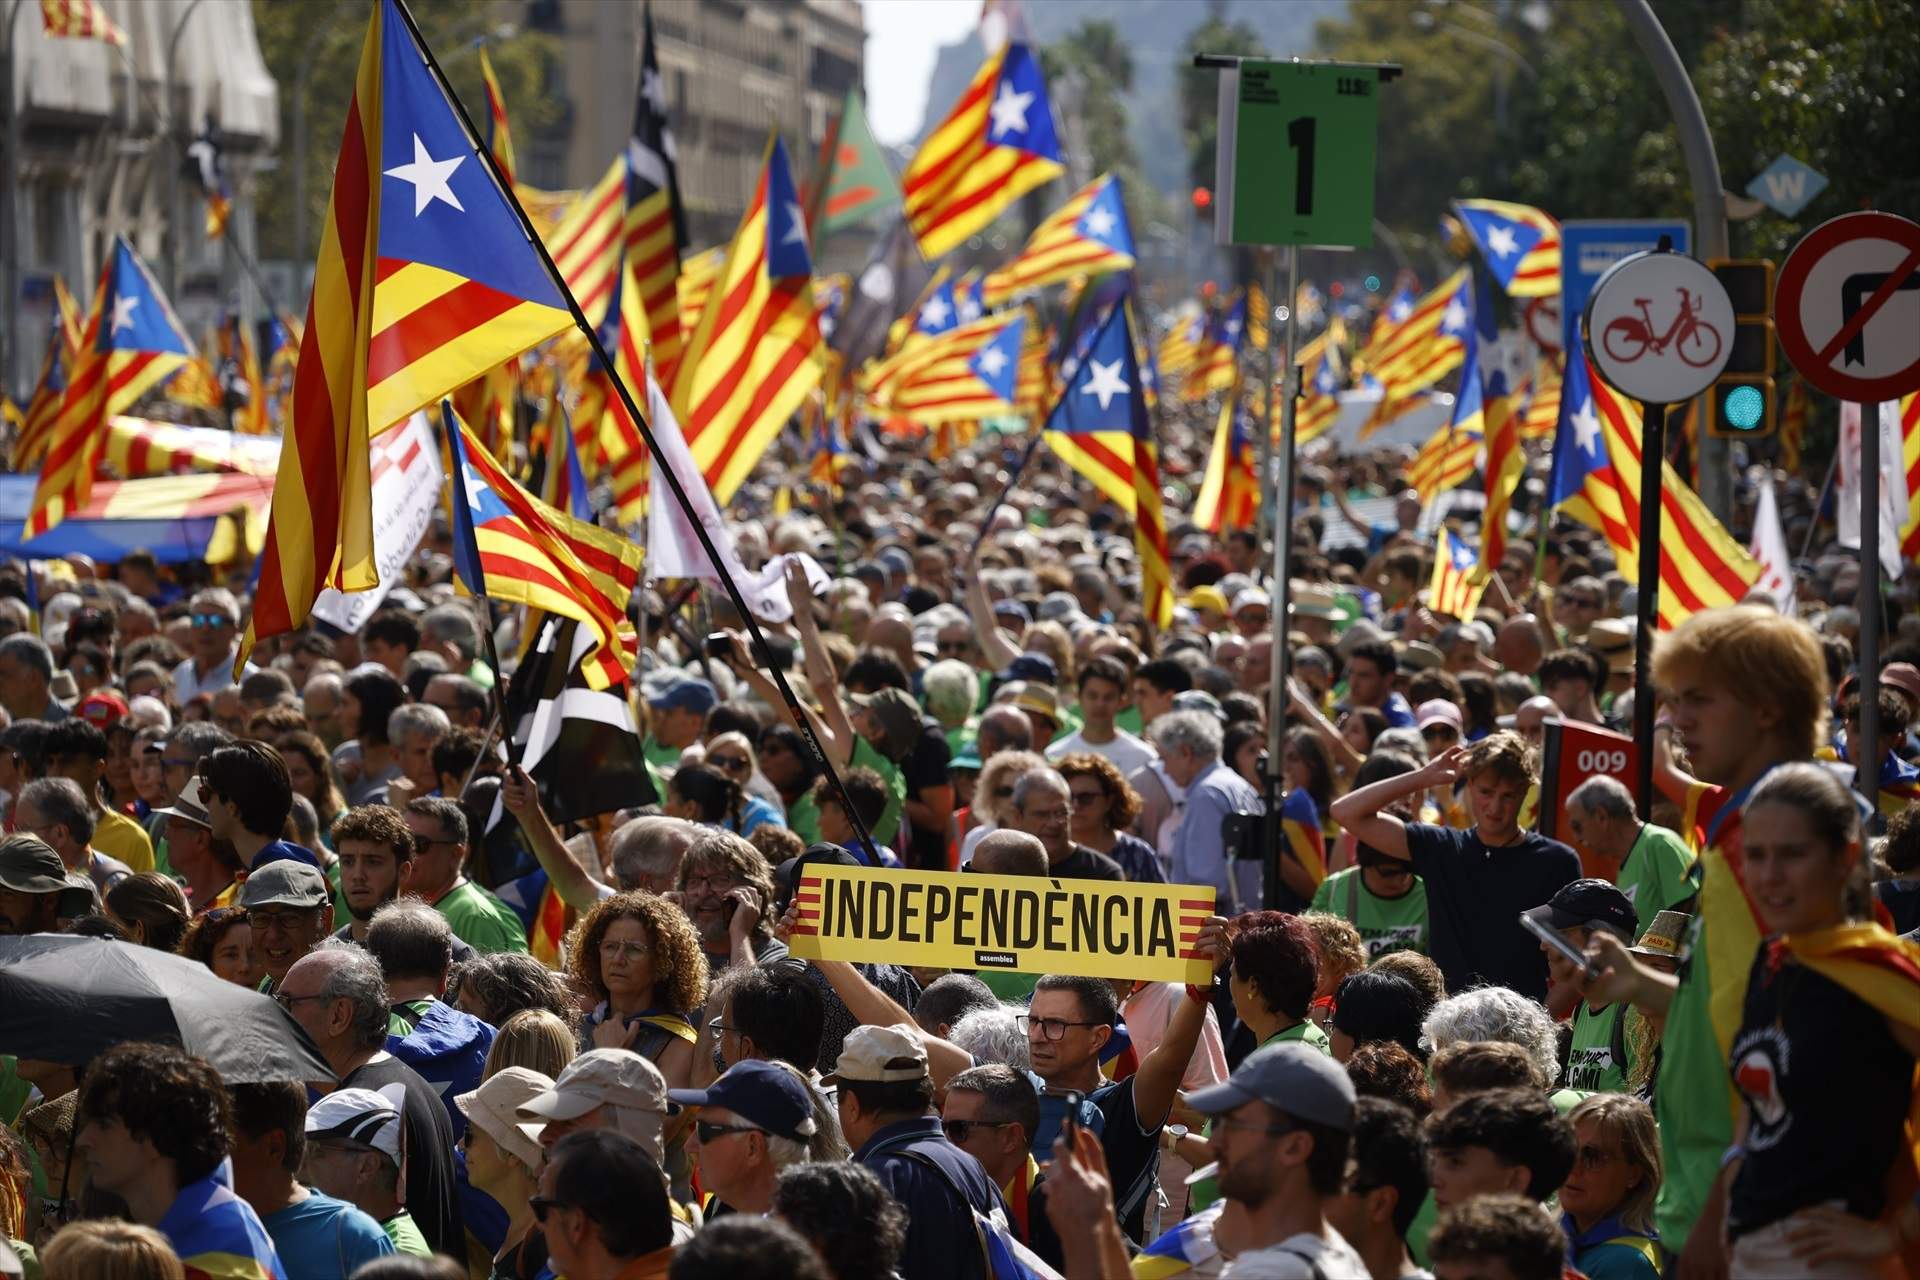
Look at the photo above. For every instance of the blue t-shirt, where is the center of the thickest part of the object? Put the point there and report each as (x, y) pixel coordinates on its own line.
(323, 1239)
(285, 851)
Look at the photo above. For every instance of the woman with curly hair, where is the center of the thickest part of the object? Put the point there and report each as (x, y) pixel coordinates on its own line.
(993, 794)
(637, 954)
(1104, 806)
(222, 940)
(310, 771)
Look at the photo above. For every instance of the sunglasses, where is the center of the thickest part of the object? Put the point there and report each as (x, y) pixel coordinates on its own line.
(732, 764)
(540, 1205)
(707, 1132)
(958, 1131)
(209, 621)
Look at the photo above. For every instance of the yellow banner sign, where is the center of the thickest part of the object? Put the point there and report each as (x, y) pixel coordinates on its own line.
(1026, 924)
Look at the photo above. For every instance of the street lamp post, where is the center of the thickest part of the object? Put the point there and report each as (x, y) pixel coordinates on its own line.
(10, 209)
(170, 156)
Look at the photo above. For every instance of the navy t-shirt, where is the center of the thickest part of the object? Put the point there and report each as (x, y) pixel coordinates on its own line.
(1474, 899)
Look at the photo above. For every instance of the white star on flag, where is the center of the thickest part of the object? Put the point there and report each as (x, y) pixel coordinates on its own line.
(123, 313)
(1100, 222)
(969, 308)
(1009, 111)
(1105, 382)
(1586, 429)
(1455, 318)
(991, 361)
(428, 178)
(1500, 242)
(797, 229)
(934, 313)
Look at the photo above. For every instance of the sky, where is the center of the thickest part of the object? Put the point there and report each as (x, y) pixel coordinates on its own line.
(903, 39)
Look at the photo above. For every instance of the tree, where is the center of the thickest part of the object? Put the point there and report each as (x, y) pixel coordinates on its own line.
(313, 46)
(1199, 89)
(1089, 73)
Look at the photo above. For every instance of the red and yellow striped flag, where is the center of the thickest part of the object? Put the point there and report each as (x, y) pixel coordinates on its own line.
(997, 144)
(1444, 461)
(1506, 468)
(424, 281)
(237, 346)
(56, 368)
(1455, 590)
(586, 245)
(1230, 490)
(1542, 415)
(1794, 416)
(78, 19)
(1910, 455)
(752, 361)
(970, 373)
(603, 429)
(1086, 235)
(499, 134)
(695, 285)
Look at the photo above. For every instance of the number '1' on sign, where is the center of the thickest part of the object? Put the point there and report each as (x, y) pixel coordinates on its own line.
(1296, 151)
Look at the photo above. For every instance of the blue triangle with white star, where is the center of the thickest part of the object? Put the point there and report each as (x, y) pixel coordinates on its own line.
(997, 362)
(788, 254)
(1104, 391)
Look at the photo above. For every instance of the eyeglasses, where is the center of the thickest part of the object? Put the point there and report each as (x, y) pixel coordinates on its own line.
(1050, 1028)
(716, 1026)
(1087, 797)
(631, 950)
(711, 883)
(1047, 815)
(732, 764)
(540, 1205)
(958, 1131)
(1593, 1157)
(954, 648)
(209, 621)
(708, 1132)
(1580, 602)
(287, 1002)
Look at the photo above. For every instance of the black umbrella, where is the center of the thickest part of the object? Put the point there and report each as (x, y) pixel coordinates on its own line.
(67, 999)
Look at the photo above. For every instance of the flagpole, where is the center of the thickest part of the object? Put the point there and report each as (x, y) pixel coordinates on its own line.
(640, 627)
(763, 652)
(1280, 595)
(1813, 524)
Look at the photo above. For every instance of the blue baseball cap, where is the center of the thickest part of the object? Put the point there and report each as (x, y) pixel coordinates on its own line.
(771, 1096)
(682, 693)
(1032, 666)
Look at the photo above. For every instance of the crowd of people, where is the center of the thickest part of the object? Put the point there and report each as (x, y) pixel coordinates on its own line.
(1675, 1043)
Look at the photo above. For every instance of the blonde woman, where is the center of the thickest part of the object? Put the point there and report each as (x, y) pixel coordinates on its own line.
(1606, 1203)
(534, 1039)
(993, 794)
(103, 1249)
(504, 1158)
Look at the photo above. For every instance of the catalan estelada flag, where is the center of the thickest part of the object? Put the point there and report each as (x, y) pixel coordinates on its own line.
(933, 313)
(508, 545)
(236, 350)
(79, 19)
(43, 409)
(754, 358)
(656, 223)
(1453, 590)
(1181, 345)
(1541, 416)
(1520, 243)
(1101, 427)
(499, 133)
(586, 246)
(1444, 462)
(997, 144)
(132, 344)
(605, 431)
(698, 272)
(969, 373)
(1216, 365)
(424, 281)
(1596, 479)
(1230, 490)
(564, 481)
(1300, 821)
(1429, 344)
(1087, 235)
(1506, 468)
(217, 1235)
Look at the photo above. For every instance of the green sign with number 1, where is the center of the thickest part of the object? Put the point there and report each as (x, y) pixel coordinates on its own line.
(1303, 144)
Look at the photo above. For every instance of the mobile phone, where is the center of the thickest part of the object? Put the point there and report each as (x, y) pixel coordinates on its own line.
(1073, 1098)
(1552, 938)
(718, 645)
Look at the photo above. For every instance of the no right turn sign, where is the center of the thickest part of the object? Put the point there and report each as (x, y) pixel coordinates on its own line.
(1847, 307)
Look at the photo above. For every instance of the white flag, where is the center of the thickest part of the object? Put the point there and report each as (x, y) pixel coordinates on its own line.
(673, 548)
(406, 491)
(1770, 549)
(1893, 483)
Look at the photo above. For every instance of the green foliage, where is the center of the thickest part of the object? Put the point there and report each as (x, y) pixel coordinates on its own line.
(315, 45)
(1200, 89)
(1090, 70)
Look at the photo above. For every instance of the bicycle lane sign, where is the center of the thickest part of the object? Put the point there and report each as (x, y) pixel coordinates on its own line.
(1847, 304)
(1658, 327)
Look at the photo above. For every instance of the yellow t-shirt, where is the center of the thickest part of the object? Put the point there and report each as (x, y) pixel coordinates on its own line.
(119, 836)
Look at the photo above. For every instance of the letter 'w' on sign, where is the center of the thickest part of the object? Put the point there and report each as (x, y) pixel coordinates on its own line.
(424, 281)
(1025, 924)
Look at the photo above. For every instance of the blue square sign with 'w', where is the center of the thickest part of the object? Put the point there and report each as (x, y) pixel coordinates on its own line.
(1786, 186)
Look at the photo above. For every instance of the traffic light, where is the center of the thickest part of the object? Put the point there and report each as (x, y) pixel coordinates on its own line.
(1743, 397)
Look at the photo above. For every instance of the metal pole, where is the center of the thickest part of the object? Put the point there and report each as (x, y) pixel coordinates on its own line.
(1653, 447)
(170, 157)
(1709, 210)
(10, 210)
(1266, 523)
(1868, 761)
(1282, 508)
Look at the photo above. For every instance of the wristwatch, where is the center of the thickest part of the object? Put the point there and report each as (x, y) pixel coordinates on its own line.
(1170, 1135)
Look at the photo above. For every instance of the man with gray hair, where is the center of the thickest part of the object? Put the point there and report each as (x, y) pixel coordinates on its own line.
(464, 701)
(449, 630)
(338, 996)
(645, 853)
(414, 729)
(56, 810)
(1189, 743)
(1043, 808)
(1649, 863)
(414, 945)
(215, 620)
(26, 679)
(320, 701)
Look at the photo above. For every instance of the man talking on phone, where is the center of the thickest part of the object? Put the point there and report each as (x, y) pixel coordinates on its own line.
(1599, 1060)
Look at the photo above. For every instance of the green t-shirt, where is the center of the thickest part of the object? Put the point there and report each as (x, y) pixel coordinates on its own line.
(1385, 924)
(406, 1236)
(803, 818)
(866, 755)
(660, 756)
(481, 920)
(1306, 1032)
(1655, 874)
(1129, 721)
(403, 1027)
(1015, 988)
(1593, 1066)
(1420, 1228)
(14, 1091)
(1691, 1100)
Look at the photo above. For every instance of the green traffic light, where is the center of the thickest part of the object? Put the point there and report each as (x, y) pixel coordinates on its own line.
(1743, 408)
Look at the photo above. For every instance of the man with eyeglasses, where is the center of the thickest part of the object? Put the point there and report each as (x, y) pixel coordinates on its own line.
(1043, 808)
(479, 918)
(604, 1211)
(215, 618)
(1578, 605)
(1282, 1127)
(754, 1121)
(290, 909)
(991, 1112)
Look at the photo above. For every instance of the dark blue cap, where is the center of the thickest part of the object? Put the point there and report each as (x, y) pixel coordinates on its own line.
(772, 1096)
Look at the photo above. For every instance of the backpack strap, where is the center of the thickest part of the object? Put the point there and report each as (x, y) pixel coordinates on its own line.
(1353, 895)
(974, 1215)
(1642, 1245)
